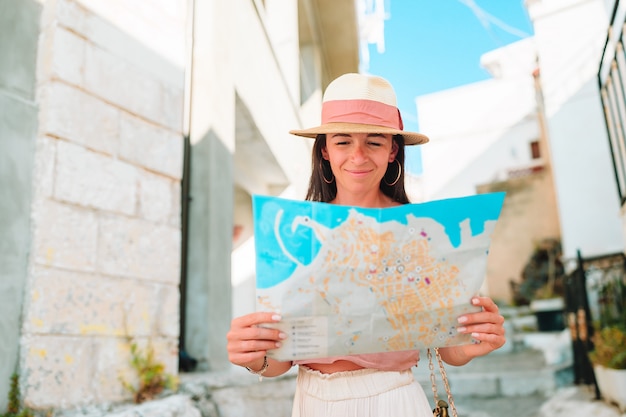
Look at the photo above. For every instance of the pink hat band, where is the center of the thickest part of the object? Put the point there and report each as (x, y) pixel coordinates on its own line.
(358, 103)
(366, 112)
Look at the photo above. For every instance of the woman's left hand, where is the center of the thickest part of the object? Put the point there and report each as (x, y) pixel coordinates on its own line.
(486, 327)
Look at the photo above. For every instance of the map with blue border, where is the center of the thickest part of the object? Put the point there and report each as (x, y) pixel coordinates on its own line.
(351, 280)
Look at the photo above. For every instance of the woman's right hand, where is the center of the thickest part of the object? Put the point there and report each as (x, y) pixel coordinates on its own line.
(248, 341)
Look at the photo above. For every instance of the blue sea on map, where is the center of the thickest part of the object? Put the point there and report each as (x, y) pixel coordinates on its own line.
(274, 266)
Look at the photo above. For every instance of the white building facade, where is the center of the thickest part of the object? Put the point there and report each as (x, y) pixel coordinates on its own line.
(482, 130)
(132, 135)
(544, 91)
(570, 36)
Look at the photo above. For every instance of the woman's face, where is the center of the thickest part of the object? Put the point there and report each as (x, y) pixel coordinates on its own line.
(359, 160)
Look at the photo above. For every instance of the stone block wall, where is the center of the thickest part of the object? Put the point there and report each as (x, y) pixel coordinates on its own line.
(529, 215)
(105, 253)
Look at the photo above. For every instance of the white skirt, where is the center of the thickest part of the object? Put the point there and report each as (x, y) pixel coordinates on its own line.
(361, 393)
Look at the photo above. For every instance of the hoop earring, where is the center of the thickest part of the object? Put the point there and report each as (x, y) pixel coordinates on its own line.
(323, 176)
(398, 177)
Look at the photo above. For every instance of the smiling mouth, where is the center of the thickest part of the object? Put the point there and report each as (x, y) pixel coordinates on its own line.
(359, 173)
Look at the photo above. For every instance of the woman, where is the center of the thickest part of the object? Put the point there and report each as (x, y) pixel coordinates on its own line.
(358, 160)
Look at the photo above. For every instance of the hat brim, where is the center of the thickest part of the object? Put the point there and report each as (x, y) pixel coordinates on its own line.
(410, 138)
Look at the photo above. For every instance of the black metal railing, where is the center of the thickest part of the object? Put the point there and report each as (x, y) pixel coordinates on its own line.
(595, 297)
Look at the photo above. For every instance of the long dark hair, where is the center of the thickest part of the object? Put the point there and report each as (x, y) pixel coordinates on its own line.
(321, 190)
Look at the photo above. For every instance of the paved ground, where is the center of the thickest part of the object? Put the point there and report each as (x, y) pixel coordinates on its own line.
(525, 406)
(578, 401)
(570, 401)
(526, 371)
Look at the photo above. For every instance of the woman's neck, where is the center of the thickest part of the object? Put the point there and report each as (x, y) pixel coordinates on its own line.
(373, 200)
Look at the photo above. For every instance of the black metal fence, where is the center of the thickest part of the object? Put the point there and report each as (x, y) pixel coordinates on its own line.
(595, 297)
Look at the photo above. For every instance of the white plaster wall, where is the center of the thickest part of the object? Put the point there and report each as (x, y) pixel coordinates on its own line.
(247, 50)
(517, 59)
(570, 37)
(159, 26)
(19, 34)
(271, 94)
(609, 5)
(212, 138)
(281, 22)
(477, 132)
(267, 94)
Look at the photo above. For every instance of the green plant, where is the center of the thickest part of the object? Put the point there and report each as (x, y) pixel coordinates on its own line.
(543, 274)
(152, 378)
(612, 299)
(546, 292)
(14, 408)
(609, 347)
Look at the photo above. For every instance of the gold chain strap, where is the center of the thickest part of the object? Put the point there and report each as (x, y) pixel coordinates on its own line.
(441, 407)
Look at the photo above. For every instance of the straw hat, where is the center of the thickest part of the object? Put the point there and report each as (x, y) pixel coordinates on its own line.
(357, 103)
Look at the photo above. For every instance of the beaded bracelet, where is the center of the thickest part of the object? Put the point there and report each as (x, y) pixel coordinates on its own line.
(261, 371)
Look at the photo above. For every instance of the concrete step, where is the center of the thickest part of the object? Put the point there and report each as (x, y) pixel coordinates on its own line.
(521, 372)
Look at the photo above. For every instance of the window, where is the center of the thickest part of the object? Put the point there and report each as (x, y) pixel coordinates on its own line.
(534, 150)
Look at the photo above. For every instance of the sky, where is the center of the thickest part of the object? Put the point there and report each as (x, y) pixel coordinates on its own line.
(434, 45)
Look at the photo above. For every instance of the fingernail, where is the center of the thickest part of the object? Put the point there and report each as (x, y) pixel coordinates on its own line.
(474, 334)
(278, 344)
(475, 301)
(461, 329)
(462, 319)
(282, 335)
(276, 317)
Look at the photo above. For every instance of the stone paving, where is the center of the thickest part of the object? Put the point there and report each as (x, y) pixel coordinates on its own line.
(514, 384)
(518, 383)
(265, 400)
(521, 382)
(523, 406)
(571, 401)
